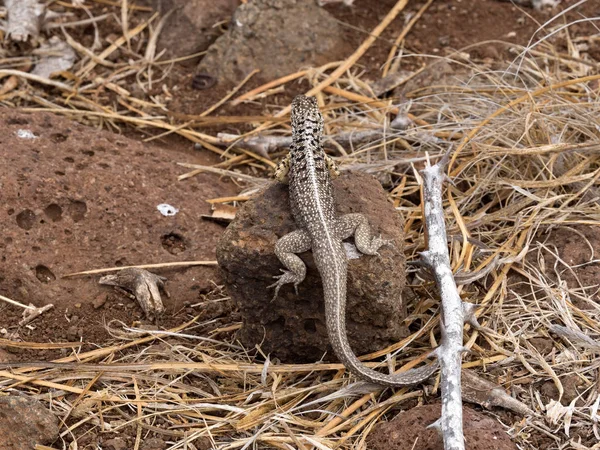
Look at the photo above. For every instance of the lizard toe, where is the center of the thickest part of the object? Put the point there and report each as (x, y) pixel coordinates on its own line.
(285, 278)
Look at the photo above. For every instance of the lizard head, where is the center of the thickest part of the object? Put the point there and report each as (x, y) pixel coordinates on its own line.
(305, 113)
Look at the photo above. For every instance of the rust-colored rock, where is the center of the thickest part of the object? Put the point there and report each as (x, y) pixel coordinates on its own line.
(75, 198)
(24, 423)
(292, 327)
(409, 431)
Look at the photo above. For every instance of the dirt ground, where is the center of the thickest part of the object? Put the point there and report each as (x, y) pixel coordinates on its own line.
(83, 199)
(483, 28)
(445, 27)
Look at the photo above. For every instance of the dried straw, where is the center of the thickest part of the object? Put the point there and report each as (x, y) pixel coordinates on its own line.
(526, 163)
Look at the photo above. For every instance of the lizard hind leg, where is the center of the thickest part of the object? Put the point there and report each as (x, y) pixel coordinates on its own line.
(286, 248)
(358, 225)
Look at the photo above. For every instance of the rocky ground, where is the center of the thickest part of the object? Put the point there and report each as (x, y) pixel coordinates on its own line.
(77, 198)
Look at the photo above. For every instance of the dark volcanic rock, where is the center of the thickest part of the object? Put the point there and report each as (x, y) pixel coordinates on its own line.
(24, 423)
(276, 36)
(190, 27)
(292, 327)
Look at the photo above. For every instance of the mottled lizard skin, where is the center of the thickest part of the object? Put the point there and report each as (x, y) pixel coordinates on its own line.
(308, 171)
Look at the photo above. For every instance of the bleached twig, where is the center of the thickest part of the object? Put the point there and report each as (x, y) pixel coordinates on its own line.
(437, 258)
(30, 314)
(537, 4)
(576, 336)
(30, 311)
(263, 145)
(15, 303)
(487, 394)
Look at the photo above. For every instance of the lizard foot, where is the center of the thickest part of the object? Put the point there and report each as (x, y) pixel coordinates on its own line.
(286, 277)
(379, 242)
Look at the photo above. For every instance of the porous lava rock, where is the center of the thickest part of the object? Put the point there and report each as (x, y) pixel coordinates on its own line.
(75, 198)
(292, 327)
(409, 431)
(25, 423)
(276, 36)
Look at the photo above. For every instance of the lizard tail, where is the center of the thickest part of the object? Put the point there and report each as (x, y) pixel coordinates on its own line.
(336, 328)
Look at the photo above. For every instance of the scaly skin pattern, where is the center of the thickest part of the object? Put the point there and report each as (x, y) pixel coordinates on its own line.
(308, 171)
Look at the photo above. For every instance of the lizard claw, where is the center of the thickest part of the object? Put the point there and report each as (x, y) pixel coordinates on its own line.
(383, 242)
(379, 242)
(285, 278)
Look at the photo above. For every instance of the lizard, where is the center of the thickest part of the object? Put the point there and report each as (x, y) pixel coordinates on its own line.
(308, 171)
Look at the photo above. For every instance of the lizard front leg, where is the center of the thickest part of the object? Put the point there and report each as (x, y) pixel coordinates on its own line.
(331, 167)
(286, 248)
(282, 169)
(358, 225)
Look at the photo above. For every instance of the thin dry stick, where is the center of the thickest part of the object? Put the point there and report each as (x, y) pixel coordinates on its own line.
(205, 113)
(38, 345)
(156, 122)
(230, 93)
(367, 397)
(279, 81)
(15, 303)
(37, 79)
(351, 60)
(143, 266)
(125, 22)
(376, 103)
(223, 172)
(30, 313)
(184, 366)
(64, 387)
(115, 45)
(392, 109)
(263, 145)
(265, 87)
(183, 126)
(140, 414)
(400, 38)
(237, 198)
(77, 23)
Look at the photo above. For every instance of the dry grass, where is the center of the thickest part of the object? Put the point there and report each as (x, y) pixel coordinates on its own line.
(526, 142)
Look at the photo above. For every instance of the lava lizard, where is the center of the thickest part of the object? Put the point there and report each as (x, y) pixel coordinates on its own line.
(308, 171)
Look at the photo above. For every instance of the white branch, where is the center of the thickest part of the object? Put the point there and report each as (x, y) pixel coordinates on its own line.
(436, 257)
(263, 145)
